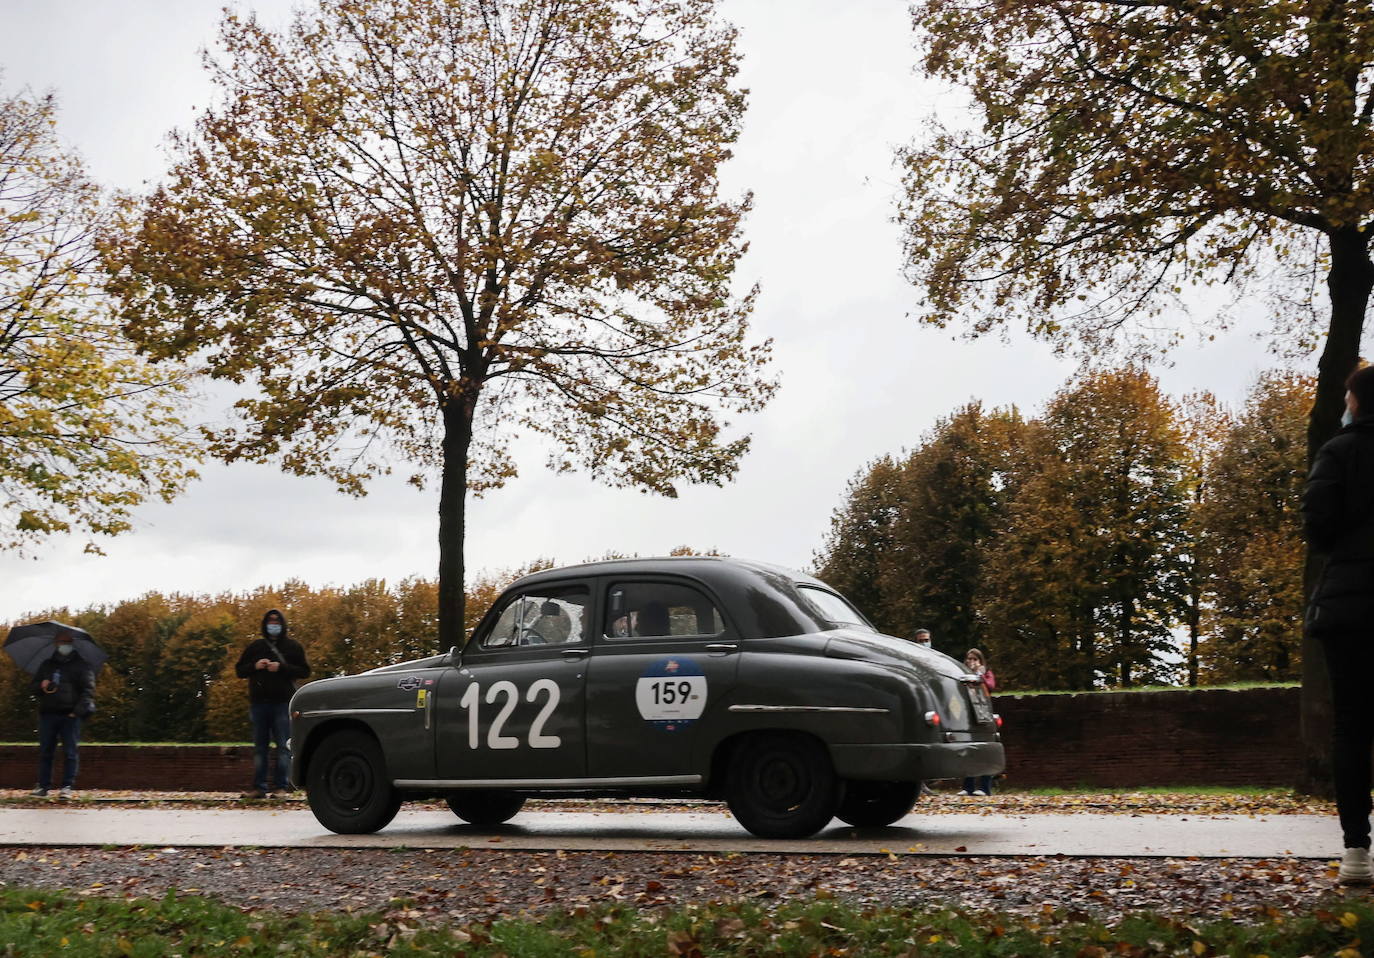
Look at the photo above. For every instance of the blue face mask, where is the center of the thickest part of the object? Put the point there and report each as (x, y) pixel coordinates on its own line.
(1348, 417)
(273, 629)
(64, 650)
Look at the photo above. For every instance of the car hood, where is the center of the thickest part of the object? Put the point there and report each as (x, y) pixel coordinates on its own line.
(429, 662)
(876, 647)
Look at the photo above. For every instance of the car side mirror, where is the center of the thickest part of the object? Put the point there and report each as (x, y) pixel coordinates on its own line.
(455, 655)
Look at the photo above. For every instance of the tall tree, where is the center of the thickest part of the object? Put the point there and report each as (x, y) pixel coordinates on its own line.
(87, 430)
(1090, 566)
(954, 490)
(1205, 425)
(1127, 147)
(1249, 518)
(860, 541)
(421, 227)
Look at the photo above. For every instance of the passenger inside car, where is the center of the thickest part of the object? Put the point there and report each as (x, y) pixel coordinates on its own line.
(652, 619)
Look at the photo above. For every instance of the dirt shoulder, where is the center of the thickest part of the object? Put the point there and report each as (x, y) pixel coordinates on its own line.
(475, 884)
(942, 802)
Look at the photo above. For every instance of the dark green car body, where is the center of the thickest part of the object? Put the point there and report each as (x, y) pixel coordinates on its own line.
(696, 676)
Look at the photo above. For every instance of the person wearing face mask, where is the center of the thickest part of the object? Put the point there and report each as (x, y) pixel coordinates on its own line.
(65, 688)
(272, 664)
(1338, 521)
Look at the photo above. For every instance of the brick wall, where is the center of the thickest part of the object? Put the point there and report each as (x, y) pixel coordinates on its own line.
(1108, 739)
(171, 768)
(1125, 739)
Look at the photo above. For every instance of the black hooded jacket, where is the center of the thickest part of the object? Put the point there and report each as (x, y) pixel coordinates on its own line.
(1338, 521)
(75, 681)
(265, 685)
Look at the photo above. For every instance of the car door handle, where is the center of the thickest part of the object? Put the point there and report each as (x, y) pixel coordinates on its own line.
(573, 653)
(722, 648)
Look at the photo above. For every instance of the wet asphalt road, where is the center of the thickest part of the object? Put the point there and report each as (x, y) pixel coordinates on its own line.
(1078, 835)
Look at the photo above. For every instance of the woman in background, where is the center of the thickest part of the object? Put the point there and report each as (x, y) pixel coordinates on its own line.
(978, 665)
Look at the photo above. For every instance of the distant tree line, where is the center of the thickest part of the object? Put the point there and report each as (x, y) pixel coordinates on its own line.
(170, 676)
(1120, 538)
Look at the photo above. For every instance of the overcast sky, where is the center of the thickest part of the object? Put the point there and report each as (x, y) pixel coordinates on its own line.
(833, 94)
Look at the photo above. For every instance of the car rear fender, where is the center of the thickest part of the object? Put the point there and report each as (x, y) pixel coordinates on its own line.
(848, 701)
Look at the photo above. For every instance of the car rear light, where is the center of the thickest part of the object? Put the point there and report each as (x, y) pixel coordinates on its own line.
(998, 719)
(933, 719)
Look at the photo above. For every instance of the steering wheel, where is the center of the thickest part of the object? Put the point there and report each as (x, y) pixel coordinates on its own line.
(531, 637)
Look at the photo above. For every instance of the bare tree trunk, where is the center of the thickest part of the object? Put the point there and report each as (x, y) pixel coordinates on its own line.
(457, 412)
(1349, 281)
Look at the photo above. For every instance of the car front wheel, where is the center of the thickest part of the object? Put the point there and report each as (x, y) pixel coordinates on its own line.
(348, 787)
(485, 806)
(875, 804)
(782, 786)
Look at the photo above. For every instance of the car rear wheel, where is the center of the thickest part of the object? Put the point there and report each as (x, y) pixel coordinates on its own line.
(347, 784)
(782, 786)
(874, 804)
(485, 806)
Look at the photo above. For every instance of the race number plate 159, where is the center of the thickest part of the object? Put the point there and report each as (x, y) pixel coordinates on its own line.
(671, 694)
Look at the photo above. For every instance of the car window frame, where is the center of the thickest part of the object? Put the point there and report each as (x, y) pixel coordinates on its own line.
(805, 588)
(602, 599)
(475, 646)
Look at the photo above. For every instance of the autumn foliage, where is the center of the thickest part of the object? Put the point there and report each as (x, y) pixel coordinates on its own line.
(421, 228)
(1077, 548)
(171, 677)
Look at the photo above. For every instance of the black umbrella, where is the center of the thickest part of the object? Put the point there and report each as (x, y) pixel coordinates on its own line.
(31, 645)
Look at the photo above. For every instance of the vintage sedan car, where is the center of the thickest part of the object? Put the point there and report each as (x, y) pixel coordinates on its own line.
(707, 677)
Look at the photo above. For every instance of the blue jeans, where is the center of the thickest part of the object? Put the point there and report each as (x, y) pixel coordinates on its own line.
(51, 727)
(983, 783)
(271, 723)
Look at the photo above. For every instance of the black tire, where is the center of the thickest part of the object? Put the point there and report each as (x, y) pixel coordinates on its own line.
(489, 806)
(347, 784)
(782, 786)
(875, 804)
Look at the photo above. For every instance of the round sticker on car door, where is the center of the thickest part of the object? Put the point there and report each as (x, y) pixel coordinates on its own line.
(671, 694)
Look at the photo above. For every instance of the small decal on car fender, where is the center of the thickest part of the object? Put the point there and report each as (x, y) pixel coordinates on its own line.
(410, 683)
(671, 694)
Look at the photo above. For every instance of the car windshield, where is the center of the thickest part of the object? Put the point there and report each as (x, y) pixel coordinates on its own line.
(835, 608)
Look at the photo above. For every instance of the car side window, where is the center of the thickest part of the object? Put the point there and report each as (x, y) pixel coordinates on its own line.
(668, 609)
(541, 617)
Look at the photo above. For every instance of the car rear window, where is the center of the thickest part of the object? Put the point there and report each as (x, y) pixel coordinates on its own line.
(834, 607)
(548, 617)
(652, 609)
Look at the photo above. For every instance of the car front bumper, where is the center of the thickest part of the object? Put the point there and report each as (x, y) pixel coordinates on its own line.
(917, 763)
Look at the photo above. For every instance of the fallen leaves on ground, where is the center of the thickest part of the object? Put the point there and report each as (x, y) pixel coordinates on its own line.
(1277, 802)
(482, 883)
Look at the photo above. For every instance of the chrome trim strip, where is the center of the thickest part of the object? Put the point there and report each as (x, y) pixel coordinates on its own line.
(805, 708)
(318, 713)
(546, 783)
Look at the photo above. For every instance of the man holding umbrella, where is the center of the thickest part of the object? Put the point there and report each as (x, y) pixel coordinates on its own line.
(65, 687)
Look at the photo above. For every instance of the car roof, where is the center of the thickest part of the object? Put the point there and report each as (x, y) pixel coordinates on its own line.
(724, 569)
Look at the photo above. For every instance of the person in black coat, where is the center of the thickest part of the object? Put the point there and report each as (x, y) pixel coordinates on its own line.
(272, 664)
(65, 688)
(1338, 521)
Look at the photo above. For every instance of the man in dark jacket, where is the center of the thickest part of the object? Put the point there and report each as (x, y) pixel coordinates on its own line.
(65, 688)
(272, 664)
(1338, 520)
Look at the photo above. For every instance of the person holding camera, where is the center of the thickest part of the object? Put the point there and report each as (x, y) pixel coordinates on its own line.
(65, 688)
(272, 664)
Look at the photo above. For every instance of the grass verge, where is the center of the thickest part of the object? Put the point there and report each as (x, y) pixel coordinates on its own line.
(44, 923)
